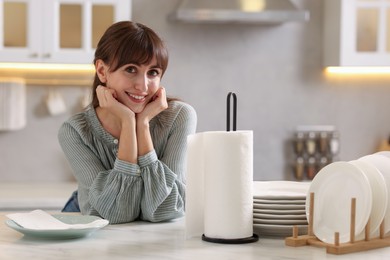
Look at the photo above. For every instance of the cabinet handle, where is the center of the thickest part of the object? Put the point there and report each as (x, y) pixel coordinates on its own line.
(46, 55)
(34, 55)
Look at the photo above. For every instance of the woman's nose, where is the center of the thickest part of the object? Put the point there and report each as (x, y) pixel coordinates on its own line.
(141, 83)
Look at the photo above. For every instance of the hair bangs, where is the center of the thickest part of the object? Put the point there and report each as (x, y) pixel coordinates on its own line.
(140, 49)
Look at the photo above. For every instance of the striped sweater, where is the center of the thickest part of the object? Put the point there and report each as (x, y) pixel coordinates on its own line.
(152, 190)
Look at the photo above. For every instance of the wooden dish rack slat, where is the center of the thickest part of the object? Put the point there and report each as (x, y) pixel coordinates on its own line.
(339, 248)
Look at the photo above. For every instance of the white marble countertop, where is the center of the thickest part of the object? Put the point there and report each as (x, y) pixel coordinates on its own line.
(143, 240)
(28, 196)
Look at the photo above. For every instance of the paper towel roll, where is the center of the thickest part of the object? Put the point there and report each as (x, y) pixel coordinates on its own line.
(219, 199)
(195, 186)
(12, 104)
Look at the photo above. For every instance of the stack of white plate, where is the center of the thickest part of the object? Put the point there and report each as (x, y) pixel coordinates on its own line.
(278, 206)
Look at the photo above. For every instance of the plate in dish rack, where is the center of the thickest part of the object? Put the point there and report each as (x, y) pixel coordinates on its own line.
(60, 234)
(379, 194)
(382, 163)
(334, 186)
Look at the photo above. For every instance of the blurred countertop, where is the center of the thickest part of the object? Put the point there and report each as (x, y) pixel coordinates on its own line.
(164, 240)
(29, 196)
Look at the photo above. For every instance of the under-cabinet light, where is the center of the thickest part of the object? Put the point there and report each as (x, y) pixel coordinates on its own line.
(47, 66)
(358, 70)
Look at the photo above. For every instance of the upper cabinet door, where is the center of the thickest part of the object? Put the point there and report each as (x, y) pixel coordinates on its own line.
(58, 31)
(20, 34)
(357, 33)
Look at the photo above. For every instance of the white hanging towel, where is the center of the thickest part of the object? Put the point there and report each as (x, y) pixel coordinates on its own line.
(12, 104)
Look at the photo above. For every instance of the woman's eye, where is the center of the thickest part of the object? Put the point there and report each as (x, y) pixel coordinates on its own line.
(131, 69)
(154, 73)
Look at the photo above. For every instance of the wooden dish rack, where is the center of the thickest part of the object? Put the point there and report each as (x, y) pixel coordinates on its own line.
(339, 248)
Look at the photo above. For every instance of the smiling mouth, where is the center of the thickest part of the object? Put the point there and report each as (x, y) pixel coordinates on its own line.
(136, 97)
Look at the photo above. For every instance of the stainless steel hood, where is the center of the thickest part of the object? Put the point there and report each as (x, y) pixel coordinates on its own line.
(238, 11)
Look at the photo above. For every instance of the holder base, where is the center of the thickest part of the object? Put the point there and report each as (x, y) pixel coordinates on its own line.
(251, 239)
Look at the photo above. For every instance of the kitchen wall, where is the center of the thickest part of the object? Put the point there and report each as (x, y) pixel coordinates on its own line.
(276, 72)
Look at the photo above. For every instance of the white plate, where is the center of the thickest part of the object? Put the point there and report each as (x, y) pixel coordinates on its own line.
(379, 194)
(281, 211)
(382, 163)
(60, 234)
(273, 216)
(268, 201)
(278, 206)
(334, 186)
(280, 221)
(278, 230)
(280, 189)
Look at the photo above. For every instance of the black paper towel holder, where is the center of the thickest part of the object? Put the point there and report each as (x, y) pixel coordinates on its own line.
(254, 237)
(228, 101)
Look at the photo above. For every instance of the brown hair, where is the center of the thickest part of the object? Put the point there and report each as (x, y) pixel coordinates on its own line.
(128, 42)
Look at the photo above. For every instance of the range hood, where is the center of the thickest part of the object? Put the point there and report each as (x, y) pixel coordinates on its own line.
(238, 11)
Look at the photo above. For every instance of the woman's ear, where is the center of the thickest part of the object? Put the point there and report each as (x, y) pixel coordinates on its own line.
(101, 70)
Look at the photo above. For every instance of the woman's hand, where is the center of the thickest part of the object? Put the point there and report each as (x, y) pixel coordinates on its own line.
(107, 100)
(125, 129)
(155, 107)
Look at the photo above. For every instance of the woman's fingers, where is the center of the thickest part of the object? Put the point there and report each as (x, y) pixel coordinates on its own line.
(105, 95)
(160, 96)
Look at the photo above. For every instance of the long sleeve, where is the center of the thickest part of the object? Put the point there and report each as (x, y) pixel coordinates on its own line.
(119, 191)
(164, 179)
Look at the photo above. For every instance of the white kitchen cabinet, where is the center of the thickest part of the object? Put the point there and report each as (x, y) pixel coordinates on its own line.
(357, 33)
(56, 31)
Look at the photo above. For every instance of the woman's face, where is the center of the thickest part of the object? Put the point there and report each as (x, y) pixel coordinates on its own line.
(135, 84)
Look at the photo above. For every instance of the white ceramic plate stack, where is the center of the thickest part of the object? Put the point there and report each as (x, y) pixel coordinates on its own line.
(278, 206)
(366, 179)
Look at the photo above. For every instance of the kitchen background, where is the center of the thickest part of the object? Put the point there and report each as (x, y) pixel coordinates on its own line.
(276, 71)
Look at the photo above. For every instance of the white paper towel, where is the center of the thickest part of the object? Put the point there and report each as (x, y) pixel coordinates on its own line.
(12, 104)
(219, 199)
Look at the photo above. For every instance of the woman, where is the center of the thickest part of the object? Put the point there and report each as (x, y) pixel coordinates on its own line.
(127, 150)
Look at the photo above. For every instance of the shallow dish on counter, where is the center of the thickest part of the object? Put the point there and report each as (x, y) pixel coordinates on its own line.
(281, 211)
(280, 190)
(280, 221)
(334, 186)
(273, 216)
(278, 230)
(60, 234)
(275, 201)
(278, 206)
